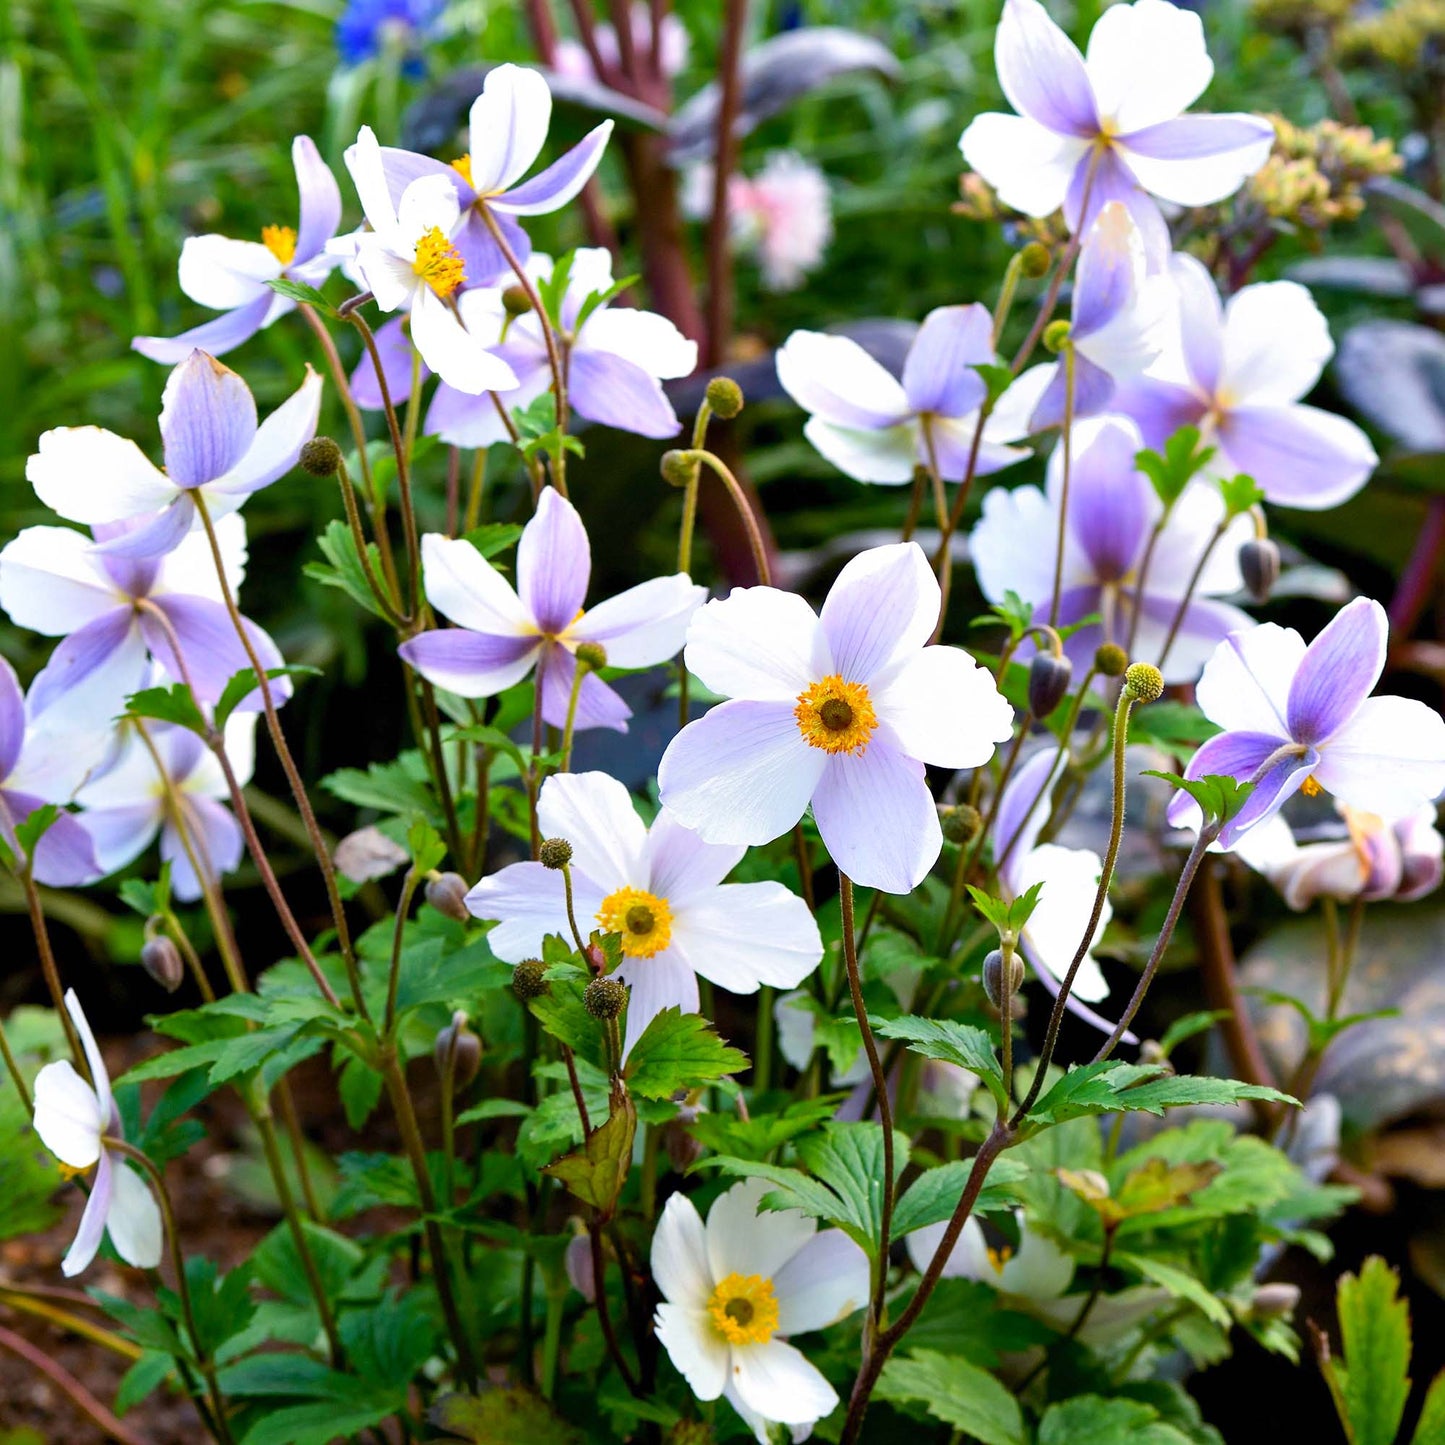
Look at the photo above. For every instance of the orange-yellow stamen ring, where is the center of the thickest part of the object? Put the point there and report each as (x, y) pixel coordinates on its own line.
(836, 716)
(438, 262)
(643, 920)
(744, 1309)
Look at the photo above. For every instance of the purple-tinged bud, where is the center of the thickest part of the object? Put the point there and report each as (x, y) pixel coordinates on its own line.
(1275, 1301)
(1049, 679)
(554, 853)
(1151, 1053)
(577, 1258)
(604, 998)
(367, 854)
(683, 1147)
(321, 457)
(997, 983)
(1259, 565)
(447, 893)
(459, 1050)
(1111, 660)
(529, 979)
(162, 960)
(725, 397)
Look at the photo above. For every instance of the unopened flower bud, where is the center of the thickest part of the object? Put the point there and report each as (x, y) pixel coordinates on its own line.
(459, 1049)
(1275, 1301)
(554, 853)
(961, 824)
(1111, 660)
(1049, 679)
(1034, 260)
(577, 1258)
(447, 893)
(604, 998)
(997, 983)
(1259, 564)
(321, 457)
(515, 301)
(1144, 682)
(679, 468)
(1056, 336)
(1150, 1052)
(725, 397)
(529, 979)
(591, 654)
(162, 960)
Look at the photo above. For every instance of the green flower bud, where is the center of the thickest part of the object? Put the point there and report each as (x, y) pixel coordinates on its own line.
(961, 824)
(679, 468)
(592, 654)
(515, 301)
(1111, 660)
(1144, 682)
(555, 853)
(321, 457)
(529, 979)
(1034, 261)
(604, 998)
(725, 397)
(1056, 336)
(457, 1048)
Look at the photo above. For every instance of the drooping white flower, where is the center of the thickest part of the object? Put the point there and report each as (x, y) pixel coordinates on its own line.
(736, 1287)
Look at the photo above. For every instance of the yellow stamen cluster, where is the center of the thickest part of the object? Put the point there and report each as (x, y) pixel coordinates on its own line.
(1311, 787)
(744, 1309)
(999, 1257)
(978, 201)
(463, 167)
(280, 241)
(1404, 35)
(438, 262)
(642, 919)
(836, 716)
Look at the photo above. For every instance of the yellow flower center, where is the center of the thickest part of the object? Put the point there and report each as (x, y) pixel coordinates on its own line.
(1311, 787)
(280, 241)
(463, 167)
(999, 1257)
(836, 716)
(438, 262)
(744, 1309)
(642, 919)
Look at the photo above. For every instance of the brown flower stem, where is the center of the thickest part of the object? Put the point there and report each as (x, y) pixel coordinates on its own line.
(1067, 442)
(719, 240)
(1178, 619)
(69, 1386)
(14, 1297)
(604, 1313)
(48, 966)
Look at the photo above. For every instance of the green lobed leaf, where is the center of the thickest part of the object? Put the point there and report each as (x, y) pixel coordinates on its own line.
(502, 1416)
(300, 291)
(395, 787)
(173, 704)
(345, 571)
(952, 1043)
(1218, 795)
(1093, 1420)
(1179, 1282)
(243, 684)
(1116, 1087)
(934, 1195)
(1375, 1342)
(679, 1051)
(1431, 1428)
(956, 1392)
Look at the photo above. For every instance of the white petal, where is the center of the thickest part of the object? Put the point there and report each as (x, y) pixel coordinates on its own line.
(778, 1382)
(1197, 180)
(134, 1218)
(661, 982)
(1029, 166)
(1276, 343)
(388, 275)
(529, 902)
(1039, 1269)
(681, 865)
(465, 588)
(428, 203)
(679, 1254)
(695, 1347)
(509, 123)
(1388, 759)
(741, 935)
(274, 449)
(191, 570)
(645, 625)
(757, 643)
(742, 1239)
(88, 474)
(218, 272)
(881, 608)
(944, 707)
(643, 338)
(968, 1258)
(451, 351)
(826, 1281)
(51, 583)
(1245, 685)
(368, 175)
(1071, 880)
(887, 457)
(595, 814)
(67, 1115)
(1147, 62)
(1006, 547)
(834, 378)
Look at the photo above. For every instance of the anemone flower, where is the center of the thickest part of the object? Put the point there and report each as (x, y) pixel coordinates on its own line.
(213, 449)
(74, 1120)
(1110, 126)
(661, 890)
(115, 611)
(878, 429)
(841, 711)
(1302, 718)
(735, 1287)
(502, 634)
(1113, 512)
(230, 276)
(1237, 371)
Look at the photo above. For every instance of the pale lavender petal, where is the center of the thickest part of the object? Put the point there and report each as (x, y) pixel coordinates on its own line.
(65, 856)
(883, 606)
(1042, 72)
(551, 189)
(216, 337)
(162, 533)
(951, 444)
(1205, 624)
(876, 816)
(1299, 455)
(12, 719)
(208, 419)
(1111, 505)
(554, 562)
(481, 256)
(1093, 392)
(1104, 281)
(216, 838)
(1201, 320)
(182, 750)
(938, 375)
(682, 865)
(92, 1223)
(212, 651)
(394, 349)
(320, 199)
(1157, 408)
(276, 446)
(1195, 160)
(1022, 812)
(120, 835)
(607, 389)
(470, 664)
(134, 576)
(598, 706)
(1339, 671)
(93, 669)
(1240, 755)
(1114, 181)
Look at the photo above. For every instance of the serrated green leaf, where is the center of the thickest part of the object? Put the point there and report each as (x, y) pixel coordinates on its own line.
(173, 704)
(952, 1043)
(1179, 1282)
(345, 571)
(956, 1392)
(1375, 1341)
(934, 1195)
(502, 1416)
(1219, 796)
(1093, 1420)
(679, 1051)
(243, 684)
(300, 291)
(424, 844)
(1115, 1087)
(396, 787)
(142, 1379)
(1186, 1028)
(1431, 1429)
(563, 1015)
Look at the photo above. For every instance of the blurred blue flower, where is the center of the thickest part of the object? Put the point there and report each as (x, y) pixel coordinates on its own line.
(365, 25)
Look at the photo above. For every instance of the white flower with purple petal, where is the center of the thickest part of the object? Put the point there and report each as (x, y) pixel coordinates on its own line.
(74, 1120)
(661, 890)
(501, 634)
(410, 262)
(1117, 320)
(115, 611)
(1302, 718)
(1070, 879)
(127, 805)
(1113, 509)
(212, 444)
(841, 711)
(1237, 371)
(507, 129)
(230, 276)
(877, 429)
(733, 1289)
(40, 764)
(1110, 126)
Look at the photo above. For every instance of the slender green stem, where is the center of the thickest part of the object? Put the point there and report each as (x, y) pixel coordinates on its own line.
(475, 491)
(1067, 441)
(745, 513)
(579, 670)
(577, 937)
(763, 1042)
(552, 1340)
(398, 934)
(604, 1313)
(383, 596)
(16, 1297)
(1006, 292)
(12, 1067)
(48, 966)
